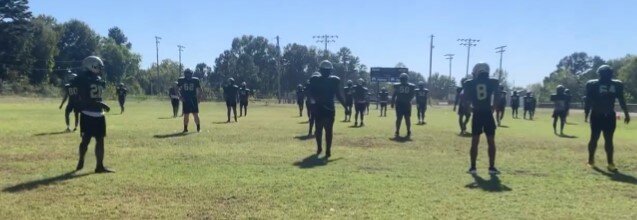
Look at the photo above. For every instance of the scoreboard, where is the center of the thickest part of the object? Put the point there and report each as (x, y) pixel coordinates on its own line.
(383, 74)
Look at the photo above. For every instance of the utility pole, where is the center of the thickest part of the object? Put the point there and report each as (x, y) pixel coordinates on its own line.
(278, 68)
(468, 42)
(157, 50)
(181, 67)
(450, 58)
(431, 48)
(325, 39)
(500, 50)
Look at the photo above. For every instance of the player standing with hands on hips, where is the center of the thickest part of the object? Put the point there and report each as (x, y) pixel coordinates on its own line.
(190, 91)
(92, 120)
(480, 90)
(600, 106)
(322, 91)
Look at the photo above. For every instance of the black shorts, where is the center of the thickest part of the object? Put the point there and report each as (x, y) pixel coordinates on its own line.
(121, 100)
(603, 122)
(174, 102)
(231, 104)
(92, 126)
(299, 102)
(243, 103)
(558, 113)
(383, 104)
(403, 109)
(349, 103)
(527, 108)
(421, 106)
(483, 122)
(322, 115)
(464, 110)
(190, 106)
(515, 106)
(500, 108)
(359, 107)
(71, 107)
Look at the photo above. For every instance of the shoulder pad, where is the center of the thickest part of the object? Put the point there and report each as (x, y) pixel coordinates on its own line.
(334, 77)
(195, 78)
(617, 81)
(592, 81)
(67, 85)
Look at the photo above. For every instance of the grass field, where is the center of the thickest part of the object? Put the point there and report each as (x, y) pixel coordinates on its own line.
(262, 167)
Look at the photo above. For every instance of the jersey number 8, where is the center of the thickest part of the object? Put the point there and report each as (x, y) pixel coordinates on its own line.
(481, 91)
(606, 89)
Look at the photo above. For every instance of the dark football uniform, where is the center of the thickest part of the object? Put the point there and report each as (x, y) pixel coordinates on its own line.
(500, 100)
(72, 95)
(230, 95)
(188, 88)
(92, 120)
(323, 90)
(173, 93)
(529, 103)
(300, 95)
(463, 102)
(309, 102)
(422, 96)
(383, 98)
(600, 104)
(360, 98)
(243, 96)
(480, 91)
(560, 105)
(121, 96)
(515, 101)
(404, 94)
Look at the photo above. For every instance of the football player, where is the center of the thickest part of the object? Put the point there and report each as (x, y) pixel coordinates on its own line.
(560, 101)
(90, 87)
(70, 94)
(401, 99)
(230, 94)
(244, 94)
(600, 106)
(323, 89)
(121, 96)
(515, 104)
(480, 91)
(300, 95)
(383, 98)
(360, 100)
(190, 92)
(422, 96)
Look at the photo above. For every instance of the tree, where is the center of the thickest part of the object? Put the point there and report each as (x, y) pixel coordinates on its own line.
(118, 35)
(628, 74)
(77, 41)
(44, 50)
(118, 60)
(15, 46)
(440, 86)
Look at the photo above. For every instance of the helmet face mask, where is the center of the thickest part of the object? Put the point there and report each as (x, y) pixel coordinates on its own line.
(559, 89)
(188, 73)
(350, 83)
(326, 67)
(244, 84)
(231, 81)
(421, 84)
(93, 64)
(404, 78)
(361, 82)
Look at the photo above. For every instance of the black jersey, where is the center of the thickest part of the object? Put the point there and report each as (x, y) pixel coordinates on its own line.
(306, 92)
(72, 93)
(173, 93)
(188, 87)
(323, 89)
(515, 100)
(121, 92)
(529, 102)
(422, 95)
(300, 94)
(383, 97)
(480, 92)
(349, 93)
(560, 101)
(244, 92)
(600, 96)
(90, 88)
(404, 92)
(230, 93)
(500, 98)
(360, 94)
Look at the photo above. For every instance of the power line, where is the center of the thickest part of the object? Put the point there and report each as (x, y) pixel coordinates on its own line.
(468, 42)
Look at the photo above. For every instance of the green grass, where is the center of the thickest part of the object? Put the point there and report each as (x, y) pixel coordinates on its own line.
(255, 168)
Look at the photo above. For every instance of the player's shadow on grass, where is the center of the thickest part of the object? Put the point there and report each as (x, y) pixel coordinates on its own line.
(492, 185)
(26, 186)
(304, 122)
(400, 139)
(171, 135)
(221, 122)
(466, 135)
(566, 136)
(166, 117)
(304, 137)
(313, 161)
(617, 176)
(51, 133)
(503, 126)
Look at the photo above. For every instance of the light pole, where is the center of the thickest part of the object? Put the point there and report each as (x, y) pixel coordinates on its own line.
(450, 58)
(468, 42)
(500, 50)
(181, 49)
(157, 51)
(325, 39)
(431, 48)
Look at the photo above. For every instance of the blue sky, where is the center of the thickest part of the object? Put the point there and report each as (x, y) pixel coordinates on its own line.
(382, 33)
